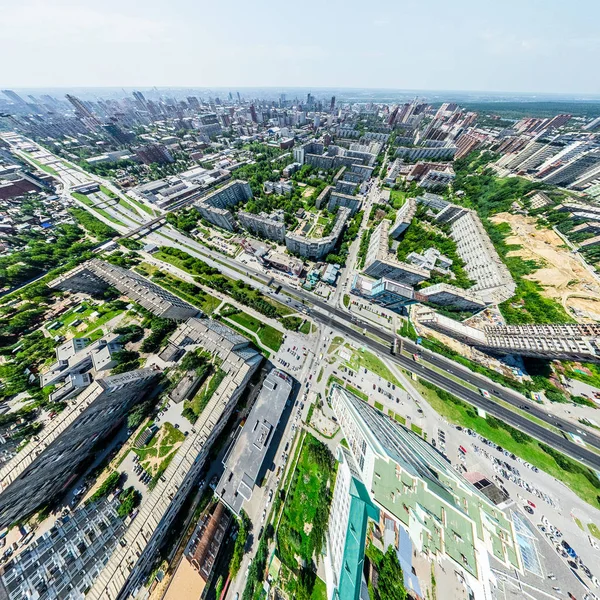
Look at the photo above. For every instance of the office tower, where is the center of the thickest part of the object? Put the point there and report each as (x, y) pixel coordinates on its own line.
(46, 466)
(15, 98)
(253, 115)
(94, 276)
(332, 104)
(82, 111)
(193, 102)
(418, 492)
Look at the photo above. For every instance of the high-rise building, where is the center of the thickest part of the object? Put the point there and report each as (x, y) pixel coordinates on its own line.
(83, 112)
(46, 466)
(253, 114)
(94, 276)
(154, 153)
(14, 97)
(351, 508)
(214, 207)
(127, 569)
(417, 490)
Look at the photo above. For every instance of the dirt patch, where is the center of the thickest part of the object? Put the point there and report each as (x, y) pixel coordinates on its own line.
(562, 275)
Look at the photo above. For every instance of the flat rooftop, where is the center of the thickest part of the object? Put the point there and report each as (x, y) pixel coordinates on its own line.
(248, 454)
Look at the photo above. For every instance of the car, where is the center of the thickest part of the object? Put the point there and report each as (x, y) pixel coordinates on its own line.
(528, 509)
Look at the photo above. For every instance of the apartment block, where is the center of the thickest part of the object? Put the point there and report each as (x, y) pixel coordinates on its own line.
(380, 262)
(271, 227)
(575, 169)
(154, 153)
(94, 276)
(78, 355)
(404, 217)
(316, 248)
(215, 206)
(127, 568)
(561, 342)
(337, 200)
(48, 463)
(418, 491)
(64, 561)
(445, 151)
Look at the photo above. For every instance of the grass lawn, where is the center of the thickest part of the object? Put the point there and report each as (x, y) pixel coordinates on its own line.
(360, 394)
(530, 451)
(269, 336)
(200, 401)
(305, 327)
(319, 591)
(418, 430)
(400, 419)
(163, 445)
(579, 523)
(203, 300)
(378, 406)
(179, 263)
(42, 166)
(346, 300)
(594, 530)
(306, 511)
(83, 198)
(336, 342)
(141, 206)
(369, 361)
(397, 198)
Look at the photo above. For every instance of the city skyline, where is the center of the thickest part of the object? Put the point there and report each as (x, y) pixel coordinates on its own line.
(404, 46)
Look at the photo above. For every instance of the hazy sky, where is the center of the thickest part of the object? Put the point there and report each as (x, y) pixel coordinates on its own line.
(493, 45)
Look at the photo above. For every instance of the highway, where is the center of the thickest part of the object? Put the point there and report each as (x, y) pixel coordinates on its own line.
(340, 320)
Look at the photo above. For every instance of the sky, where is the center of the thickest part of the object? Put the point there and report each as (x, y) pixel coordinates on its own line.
(539, 46)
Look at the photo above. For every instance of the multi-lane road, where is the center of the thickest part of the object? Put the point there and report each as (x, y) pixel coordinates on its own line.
(332, 314)
(352, 327)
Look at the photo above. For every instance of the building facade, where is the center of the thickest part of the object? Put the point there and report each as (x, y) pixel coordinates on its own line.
(412, 484)
(94, 276)
(47, 465)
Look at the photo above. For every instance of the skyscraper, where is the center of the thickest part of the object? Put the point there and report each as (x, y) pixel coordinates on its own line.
(14, 97)
(49, 462)
(417, 489)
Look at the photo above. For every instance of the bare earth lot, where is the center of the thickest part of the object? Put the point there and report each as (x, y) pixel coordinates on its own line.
(563, 276)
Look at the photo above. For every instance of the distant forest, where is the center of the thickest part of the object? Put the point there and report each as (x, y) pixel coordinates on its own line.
(516, 110)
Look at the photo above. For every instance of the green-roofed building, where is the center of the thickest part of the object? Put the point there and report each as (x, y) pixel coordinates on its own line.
(351, 508)
(411, 483)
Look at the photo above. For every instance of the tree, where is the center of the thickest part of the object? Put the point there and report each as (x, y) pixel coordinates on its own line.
(390, 585)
